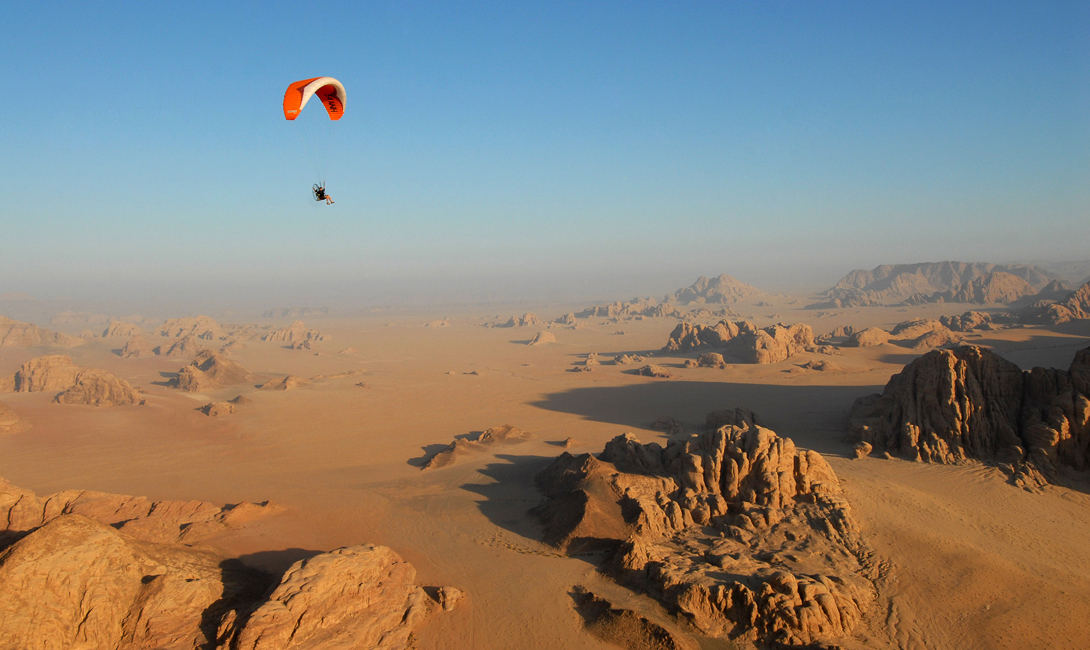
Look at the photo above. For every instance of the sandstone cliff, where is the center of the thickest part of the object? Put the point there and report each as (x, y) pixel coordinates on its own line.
(121, 330)
(137, 346)
(1076, 306)
(949, 406)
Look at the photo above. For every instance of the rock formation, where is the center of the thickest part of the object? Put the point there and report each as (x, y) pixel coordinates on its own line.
(1076, 306)
(210, 370)
(970, 321)
(653, 370)
(297, 332)
(541, 338)
(357, 597)
(137, 346)
(24, 335)
(121, 330)
(526, 320)
(186, 346)
(892, 284)
(949, 406)
(721, 289)
(99, 388)
(867, 338)
(203, 327)
(734, 530)
(289, 382)
(92, 570)
(996, 287)
(566, 319)
(162, 522)
(50, 373)
(743, 340)
(474, 443)
(635, 308)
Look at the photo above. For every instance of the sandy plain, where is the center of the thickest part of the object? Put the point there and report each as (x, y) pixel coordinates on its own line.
(977, 563)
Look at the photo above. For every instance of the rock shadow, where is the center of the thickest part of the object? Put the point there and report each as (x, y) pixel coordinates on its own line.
(815, 417)
(508, 500)
(429, 452)
(243, 588)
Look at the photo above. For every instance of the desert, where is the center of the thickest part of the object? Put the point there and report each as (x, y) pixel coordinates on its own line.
(713, 483)
(496, 326)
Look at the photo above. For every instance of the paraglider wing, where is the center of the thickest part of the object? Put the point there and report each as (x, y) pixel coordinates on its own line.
(329, 91)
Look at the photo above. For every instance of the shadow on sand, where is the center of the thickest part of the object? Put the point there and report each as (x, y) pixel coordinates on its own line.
(816, 417)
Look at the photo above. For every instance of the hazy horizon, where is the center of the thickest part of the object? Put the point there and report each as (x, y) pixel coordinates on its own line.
(545, 152)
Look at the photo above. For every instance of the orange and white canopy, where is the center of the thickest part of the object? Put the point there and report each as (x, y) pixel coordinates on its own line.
(329, 91)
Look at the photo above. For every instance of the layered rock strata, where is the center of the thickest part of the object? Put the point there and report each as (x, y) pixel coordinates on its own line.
(25, 335)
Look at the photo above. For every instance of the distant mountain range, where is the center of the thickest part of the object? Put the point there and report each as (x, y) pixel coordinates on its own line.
(894, 284)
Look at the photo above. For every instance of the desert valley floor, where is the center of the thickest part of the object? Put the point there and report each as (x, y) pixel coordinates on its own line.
(969, 560)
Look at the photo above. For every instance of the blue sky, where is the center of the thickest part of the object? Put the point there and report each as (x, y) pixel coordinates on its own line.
(601, 146)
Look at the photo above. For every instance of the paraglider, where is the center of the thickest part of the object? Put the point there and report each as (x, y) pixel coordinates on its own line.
(333, 97)
(320, 195)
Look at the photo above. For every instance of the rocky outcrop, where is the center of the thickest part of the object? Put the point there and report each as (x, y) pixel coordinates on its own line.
(542, 338)
(357, 597)
(289, 382)
(652, 370)
(867, 338)
(163, 522)
(77, 583)
(50, 373)
(95, 387)
(90, 570)
(735, 530)
(721, 289)
(635, 308)
(950, 406)
(526, 320)
(24, 335)
(892, 284)
(997, 287)
(186, 346)
(743, 340)
(1076, 306)
(121, 329)
(210, 370)
(297, 332)
(970, 321)
(136, 347)
(202, 327)
(475, 442)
